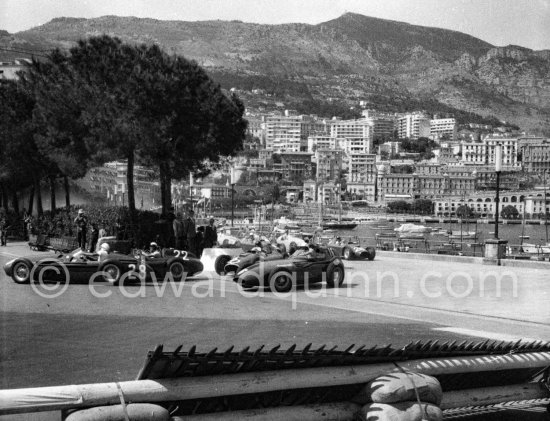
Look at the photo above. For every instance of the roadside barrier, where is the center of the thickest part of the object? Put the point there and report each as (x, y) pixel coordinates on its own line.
(389, 387)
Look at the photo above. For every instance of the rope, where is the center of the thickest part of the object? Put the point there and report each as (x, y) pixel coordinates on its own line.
(123, 402)
(417, 394)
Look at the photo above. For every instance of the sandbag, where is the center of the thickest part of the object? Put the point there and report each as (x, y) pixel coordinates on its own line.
(399, 387)
(403, 411)
(136, 412)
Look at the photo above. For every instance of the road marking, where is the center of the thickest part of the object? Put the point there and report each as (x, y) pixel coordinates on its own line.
(483, 334)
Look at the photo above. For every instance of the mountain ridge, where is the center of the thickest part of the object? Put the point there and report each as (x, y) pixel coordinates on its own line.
(349, 58)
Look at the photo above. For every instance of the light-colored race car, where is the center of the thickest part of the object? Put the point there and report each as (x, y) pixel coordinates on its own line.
(290, 243)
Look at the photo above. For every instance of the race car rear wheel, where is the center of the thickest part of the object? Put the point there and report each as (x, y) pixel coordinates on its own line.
(347, 253)
(177, 270)
(111, 273)
(21, 271)
(219, 264)
(372, 253)
(335, 275)
(281, 281)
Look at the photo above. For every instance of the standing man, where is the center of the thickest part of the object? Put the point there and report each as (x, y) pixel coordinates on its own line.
(210, 234)
(191, 231)
(178, 231)
(95, 237)
(3, 230)
(81, 223)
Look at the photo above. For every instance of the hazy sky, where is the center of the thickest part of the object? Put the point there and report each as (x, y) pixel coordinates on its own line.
(499, 22)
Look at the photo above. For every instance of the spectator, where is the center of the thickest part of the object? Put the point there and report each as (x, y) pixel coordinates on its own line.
(178, 231)
(170, 217)
(190, 231)
(102, 230)
(199, 241)
(81, 222)
(95, 236)
(210, 235)
(3, 230)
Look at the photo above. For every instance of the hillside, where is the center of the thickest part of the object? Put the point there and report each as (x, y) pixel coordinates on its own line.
(350, 58)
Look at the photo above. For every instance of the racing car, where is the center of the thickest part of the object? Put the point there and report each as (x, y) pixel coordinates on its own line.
(301, 268)
(350, 250)
(78, 266)
(256, 254)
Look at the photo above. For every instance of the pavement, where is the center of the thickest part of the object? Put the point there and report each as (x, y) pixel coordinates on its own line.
(80, 333)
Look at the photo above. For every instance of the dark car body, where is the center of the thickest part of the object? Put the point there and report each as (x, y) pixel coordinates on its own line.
(251, 257)
(283, 274)
(352, 251)
(82, 267)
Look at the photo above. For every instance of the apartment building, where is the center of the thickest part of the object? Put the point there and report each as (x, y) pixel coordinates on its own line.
(296, 166)
(483, 153)
(536, 157)
(413, 126)
(319, 141)
(329, 163)
(443, 128)
(357, 135)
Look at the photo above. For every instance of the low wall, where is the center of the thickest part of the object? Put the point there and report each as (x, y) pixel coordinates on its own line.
(534, 264)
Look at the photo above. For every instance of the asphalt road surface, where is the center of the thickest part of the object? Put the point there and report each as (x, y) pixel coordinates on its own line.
(95, 333)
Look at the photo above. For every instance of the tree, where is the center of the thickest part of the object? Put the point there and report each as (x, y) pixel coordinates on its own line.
(399, 206)
(423, 206)
(509, 212)
(21, 164)
(464, 212)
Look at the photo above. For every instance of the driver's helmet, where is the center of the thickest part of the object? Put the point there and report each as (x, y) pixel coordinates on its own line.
(105, 247)
(154, 246)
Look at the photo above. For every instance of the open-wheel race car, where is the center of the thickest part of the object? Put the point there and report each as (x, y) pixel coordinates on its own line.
(78, 266)
(254, 255)
(301, 268)
(351, 250)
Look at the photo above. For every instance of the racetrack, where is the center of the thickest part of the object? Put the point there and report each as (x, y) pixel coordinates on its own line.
(102, 333)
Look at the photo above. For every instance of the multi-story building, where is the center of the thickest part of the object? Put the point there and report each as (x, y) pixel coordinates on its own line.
(483, 153)
(329, 163)
(443, 128)
(362, 168)
(383, 124)
(536, 157)
(296, 166)
(256, 128)
(283, 133)
(357, 134)
(396, 187)
(318, 141)
(413, 126)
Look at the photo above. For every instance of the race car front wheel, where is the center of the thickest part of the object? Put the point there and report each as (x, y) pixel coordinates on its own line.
(347, 253)
(177, 270)
(21, 272)
(219, 264)
(335, 275)
(281, 281)
(111, 273)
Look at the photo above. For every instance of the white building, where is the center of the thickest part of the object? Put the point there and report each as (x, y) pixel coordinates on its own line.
(443, 127)
(413, 126)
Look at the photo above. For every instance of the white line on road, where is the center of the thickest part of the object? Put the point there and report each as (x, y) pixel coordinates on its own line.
(483, 334)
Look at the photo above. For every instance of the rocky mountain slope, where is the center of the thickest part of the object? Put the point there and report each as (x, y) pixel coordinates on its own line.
(350, 58)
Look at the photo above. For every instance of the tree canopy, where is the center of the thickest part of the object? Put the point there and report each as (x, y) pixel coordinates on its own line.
(105, 100)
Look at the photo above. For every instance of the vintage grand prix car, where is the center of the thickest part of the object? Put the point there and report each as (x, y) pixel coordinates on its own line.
(81, 267)
(351, 250)
(252, 256)
(282, 275)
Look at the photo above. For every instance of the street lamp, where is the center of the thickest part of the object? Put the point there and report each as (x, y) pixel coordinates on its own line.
(498, 169)
(232, 195)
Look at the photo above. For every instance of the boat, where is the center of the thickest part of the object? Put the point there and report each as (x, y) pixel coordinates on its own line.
(535, 248)
(463, 235)
(338, 225)
(413, 228)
